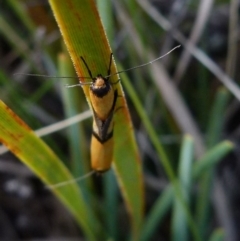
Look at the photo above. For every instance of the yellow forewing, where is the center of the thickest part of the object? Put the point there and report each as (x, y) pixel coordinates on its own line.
(100, 154)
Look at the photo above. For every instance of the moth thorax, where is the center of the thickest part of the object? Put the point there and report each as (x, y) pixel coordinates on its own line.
(100, 86)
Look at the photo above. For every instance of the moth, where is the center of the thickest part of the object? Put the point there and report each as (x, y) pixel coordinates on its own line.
(103, 98)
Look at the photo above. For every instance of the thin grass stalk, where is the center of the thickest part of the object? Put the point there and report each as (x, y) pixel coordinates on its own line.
(161, 152)
(179, 220)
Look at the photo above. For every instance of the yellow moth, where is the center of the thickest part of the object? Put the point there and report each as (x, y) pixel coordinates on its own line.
(103, 97)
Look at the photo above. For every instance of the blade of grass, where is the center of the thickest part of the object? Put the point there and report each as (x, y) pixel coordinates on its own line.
(32, 151)
(179, 220)
(157, 213)
(201, 171)
(232, 39)
(16, 41)
(216, 120)
(218, 235)
(215, 127)
(111, 197)
(12, 94)
(18, 8)
(211, 158)
(160, 150)
(84, 36)
(57, 126)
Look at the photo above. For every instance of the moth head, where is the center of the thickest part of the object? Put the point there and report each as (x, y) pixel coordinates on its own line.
(100, 82)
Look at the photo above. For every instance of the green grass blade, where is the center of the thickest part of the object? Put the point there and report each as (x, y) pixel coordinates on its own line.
(218, 235)
(16, 41)
(204, 169)
(32, 151)
(161, 152)
(157, 213)
(179, 221)
(215, 127)
(18, 8)
(216, 120)
(211, 158)
(111, 201)
(84, 35)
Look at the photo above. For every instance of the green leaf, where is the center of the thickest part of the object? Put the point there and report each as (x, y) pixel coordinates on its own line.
(84, 35)
(161, 152)
(179, 221)
(32, 151)
(218, 235)
(212, 157)
(157, 213)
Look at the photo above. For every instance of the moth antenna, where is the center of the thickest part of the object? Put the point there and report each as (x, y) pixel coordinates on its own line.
(70, 86)
(78, 179)
(52, 76)
(142, 65)
(80, 84)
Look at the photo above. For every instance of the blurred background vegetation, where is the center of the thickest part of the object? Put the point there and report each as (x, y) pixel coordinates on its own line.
(192, 91)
